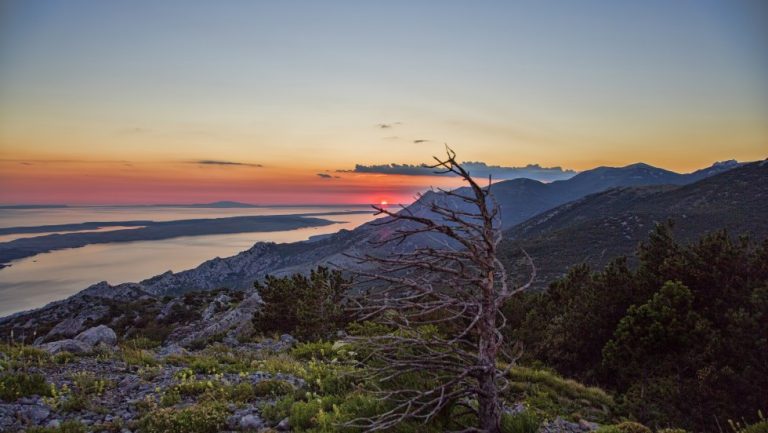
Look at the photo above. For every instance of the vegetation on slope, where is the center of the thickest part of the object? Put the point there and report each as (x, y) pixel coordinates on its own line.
(683, 337)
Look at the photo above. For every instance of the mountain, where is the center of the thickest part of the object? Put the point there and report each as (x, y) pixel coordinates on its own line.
(519, 199)
(601, 226)
(214, 205)
(33, 206)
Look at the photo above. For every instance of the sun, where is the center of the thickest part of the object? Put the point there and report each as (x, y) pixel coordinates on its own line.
(383, 203)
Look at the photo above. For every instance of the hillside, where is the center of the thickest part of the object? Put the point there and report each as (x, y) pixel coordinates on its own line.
(605, 225)
(519, 200)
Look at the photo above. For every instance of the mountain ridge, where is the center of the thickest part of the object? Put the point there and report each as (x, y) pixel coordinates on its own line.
(520, 199)
(608, 224)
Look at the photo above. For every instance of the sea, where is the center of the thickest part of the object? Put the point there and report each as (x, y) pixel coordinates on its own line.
(33, 282)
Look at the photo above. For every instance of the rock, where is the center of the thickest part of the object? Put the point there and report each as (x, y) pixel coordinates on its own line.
(238, 317)
(67, 327)
(34, 413)
(171, 349)
(283, 425)
(288, 340)
(251, 422)
(514, 410)
(7, 416)
(588, 426)
(168, 309)
(218, 304)
(233, 421)
(559, 425)
(98, 334)
(54, 423)
(68, 345)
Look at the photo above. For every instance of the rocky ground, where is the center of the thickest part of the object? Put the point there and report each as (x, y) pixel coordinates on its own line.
(106, 387)
(123, 360)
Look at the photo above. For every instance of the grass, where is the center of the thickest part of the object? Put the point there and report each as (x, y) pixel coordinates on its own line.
(199, 418)
(138, 357)
(551, 395)
(282, 363)
(19, 384)
(524, 422)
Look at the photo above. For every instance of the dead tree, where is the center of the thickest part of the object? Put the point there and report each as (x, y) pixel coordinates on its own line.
(452, 280)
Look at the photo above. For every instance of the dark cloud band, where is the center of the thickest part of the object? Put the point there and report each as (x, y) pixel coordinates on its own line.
(477, 169)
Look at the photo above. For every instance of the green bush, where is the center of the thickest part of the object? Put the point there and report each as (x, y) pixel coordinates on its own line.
(314, 350)
(140, 357)
(200, 418)
(282, 363)
(16, 385)
(672, 334)
(142, 342)
(309, 307)
(275, 412)
(87, 383)
(63, 357)
(524, 422)
(329, 378)
(205, 365)
(272, 388)
(760, 427)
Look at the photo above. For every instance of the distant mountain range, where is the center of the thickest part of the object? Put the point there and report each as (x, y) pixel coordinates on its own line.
(521, 199)
(217, 204)
(593, 216)
(605, 225)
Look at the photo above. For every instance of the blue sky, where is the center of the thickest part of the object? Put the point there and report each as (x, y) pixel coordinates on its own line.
(302, 85)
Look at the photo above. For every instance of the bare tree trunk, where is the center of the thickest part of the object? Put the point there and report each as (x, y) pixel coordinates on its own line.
(489, 411)
(456, 282)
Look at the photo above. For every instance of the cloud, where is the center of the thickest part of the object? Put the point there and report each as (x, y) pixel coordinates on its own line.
(388, 125)
(475, 168)
(328, 176)
(420, 141)
(225, 163)
(133, 130)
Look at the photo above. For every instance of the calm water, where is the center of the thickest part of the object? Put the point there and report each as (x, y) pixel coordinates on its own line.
(34, 281)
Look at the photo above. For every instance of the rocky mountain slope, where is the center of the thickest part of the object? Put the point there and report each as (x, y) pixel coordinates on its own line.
(601, 226)
(123, 360)
(519, 199)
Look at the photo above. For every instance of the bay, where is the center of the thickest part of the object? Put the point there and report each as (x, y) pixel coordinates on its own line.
(35, 281)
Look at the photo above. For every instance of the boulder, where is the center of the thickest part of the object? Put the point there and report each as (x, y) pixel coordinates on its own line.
(559, 425)
(67, 327)
(68, 345)
(218, 304)
(98, 334)
(283, 425)
(236, 318)
(251, 422)
(33, 413)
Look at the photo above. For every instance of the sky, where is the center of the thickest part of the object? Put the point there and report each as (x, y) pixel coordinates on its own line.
(105, 102)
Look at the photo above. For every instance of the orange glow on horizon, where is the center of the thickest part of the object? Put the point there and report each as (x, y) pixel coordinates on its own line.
(122, 182)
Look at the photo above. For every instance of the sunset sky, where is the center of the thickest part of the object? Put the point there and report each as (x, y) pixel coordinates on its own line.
(276, 102)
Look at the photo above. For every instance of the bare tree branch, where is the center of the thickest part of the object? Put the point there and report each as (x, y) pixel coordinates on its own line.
(452, 278)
